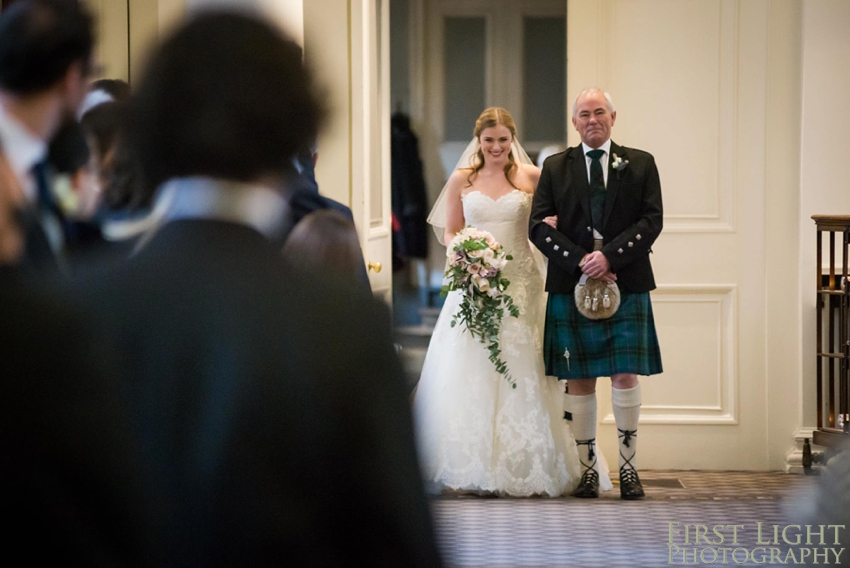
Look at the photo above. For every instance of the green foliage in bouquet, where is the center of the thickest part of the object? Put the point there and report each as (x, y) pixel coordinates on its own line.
(475, 267)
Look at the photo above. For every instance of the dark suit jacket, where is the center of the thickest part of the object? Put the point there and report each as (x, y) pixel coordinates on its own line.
(304, 198)
(69, 489)
(270, 409)
(38, 258)
(632, 221)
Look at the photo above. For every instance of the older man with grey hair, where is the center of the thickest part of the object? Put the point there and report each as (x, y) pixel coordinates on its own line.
(596, 213)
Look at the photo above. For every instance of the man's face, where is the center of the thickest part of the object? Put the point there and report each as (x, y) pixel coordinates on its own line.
(593, 120)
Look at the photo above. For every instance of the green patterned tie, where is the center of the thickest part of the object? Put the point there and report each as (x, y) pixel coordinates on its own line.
(597, 189)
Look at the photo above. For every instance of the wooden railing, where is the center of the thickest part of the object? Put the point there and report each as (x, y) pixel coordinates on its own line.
(833, 331)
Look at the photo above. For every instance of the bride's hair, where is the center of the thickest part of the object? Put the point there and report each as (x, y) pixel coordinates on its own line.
(493, 116)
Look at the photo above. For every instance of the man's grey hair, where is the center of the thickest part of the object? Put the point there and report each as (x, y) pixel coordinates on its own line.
(607, 96)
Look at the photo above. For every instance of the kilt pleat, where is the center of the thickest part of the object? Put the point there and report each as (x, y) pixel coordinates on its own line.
(624, 343)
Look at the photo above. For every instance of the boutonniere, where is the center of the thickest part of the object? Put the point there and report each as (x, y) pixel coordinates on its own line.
(619, 164)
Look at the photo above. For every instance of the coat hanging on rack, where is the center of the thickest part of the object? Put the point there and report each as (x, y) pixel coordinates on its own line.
(409, 198)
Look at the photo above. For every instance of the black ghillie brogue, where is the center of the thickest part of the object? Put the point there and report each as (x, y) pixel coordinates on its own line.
(588, 486)
(630, 486)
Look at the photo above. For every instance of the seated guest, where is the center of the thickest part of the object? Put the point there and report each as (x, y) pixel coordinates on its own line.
(105, 91)
(76, 172)
(326, 241)
(548, 151)
(303, 198)
(303, 190)
(80, 157)
(827, 503)
(273, 430)
(103, 123)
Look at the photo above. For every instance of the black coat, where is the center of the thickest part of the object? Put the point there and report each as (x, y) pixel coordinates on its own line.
(270, 409)
(633, 218)
(409, 197)
(304, 198)
(70, 489)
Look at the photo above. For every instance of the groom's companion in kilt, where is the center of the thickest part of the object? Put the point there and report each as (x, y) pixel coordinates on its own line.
(596, 213)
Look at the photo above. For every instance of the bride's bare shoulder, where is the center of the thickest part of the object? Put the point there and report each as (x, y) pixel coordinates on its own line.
(532, 171)
(527, 177)
(461, 173)
(458, 180)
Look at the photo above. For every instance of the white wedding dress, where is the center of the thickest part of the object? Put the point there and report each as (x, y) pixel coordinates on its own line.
(474, 431)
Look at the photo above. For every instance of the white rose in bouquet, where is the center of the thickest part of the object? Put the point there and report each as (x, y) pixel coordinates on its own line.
(475, 264)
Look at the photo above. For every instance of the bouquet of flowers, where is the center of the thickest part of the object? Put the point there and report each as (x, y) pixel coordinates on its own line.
(475, 268)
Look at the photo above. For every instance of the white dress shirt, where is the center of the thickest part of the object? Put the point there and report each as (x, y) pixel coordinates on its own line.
(259, 207)
(23, 150)
(606, 147)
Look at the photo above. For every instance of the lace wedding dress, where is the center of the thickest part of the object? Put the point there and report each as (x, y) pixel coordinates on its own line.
(474, 431)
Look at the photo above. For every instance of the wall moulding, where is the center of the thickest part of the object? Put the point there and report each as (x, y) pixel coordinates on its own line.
(692, 64)
(720, 408)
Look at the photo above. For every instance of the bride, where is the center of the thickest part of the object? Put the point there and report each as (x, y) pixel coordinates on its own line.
(475, 432)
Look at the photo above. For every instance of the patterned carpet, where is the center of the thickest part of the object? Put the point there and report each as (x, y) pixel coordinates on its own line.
(610, 533)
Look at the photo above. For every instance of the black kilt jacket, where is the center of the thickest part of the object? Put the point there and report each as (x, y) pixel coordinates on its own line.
(632, 220)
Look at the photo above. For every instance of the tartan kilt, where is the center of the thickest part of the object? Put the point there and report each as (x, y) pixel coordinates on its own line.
(624, 343)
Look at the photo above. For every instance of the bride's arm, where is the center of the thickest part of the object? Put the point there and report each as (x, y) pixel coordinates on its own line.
(454, 206)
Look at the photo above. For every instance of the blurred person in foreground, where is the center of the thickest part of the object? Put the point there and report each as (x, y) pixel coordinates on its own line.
(67, 472)
(45, 60)
(75, 170)
(273, 430)
(82, 156)
(825, 506)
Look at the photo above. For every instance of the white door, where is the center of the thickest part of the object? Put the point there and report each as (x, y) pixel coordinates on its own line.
(347, 46)
(370, 34)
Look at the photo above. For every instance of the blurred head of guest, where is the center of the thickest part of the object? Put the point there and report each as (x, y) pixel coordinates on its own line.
(45, 62)
(116, 88)
(74, 158)
(548, 151)
(105, 91)
(226, 97)
(326, 241)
